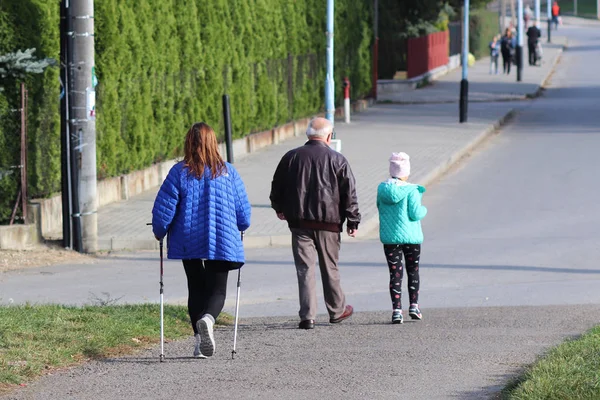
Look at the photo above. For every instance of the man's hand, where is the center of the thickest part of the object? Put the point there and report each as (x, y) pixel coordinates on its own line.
(352, 232)
(281, 216)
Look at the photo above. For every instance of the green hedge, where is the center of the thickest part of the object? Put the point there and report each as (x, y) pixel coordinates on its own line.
(483, 26)
(164, 64)
(30, 24)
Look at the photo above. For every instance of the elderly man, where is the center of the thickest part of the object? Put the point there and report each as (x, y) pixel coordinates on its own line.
(313, 189)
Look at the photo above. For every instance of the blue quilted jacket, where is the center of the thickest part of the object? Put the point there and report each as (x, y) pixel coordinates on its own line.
(202, 216)
(400, 212)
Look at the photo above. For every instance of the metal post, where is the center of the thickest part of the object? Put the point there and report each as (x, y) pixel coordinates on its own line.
(329, 83)
(227, 122)
(512, 12)
(24, 151)
(537, 12)
(346, 100)
(519, 52)
(549, 11)
(575, 7)
(65, 148)
(502, 16)
(375, 47)
(464, 83)
(83, 120)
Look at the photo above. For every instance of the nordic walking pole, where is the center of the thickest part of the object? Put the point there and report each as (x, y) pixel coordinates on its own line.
(237, 308)
(162, 313)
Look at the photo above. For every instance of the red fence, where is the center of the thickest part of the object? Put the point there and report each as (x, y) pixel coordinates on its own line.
(426, 53)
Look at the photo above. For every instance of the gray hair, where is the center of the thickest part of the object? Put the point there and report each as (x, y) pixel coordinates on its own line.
(318, 133)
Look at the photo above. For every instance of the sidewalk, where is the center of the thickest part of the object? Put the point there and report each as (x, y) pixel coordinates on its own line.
(483, 86)
(426, 128)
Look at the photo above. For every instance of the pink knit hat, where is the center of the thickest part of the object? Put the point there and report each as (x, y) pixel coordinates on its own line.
(399, 165)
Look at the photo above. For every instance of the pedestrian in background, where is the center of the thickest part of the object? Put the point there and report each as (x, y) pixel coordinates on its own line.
(533, 37)
(527, 15)
(400, 215)
(314, 190)
(202, 205)
(507, 49)
(494, 54)
(555, 14)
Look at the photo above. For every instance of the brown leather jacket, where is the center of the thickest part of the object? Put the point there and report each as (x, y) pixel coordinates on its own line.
(314, 188)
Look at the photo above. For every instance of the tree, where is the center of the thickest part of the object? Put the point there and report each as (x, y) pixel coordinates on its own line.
(18, 65)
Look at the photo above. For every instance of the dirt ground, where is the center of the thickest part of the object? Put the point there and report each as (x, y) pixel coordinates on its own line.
(41, 256)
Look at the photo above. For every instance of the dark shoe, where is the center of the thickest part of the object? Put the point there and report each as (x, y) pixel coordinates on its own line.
(307, 324)
(347, 314)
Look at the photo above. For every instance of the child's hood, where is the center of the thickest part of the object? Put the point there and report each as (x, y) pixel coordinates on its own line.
(394, 191)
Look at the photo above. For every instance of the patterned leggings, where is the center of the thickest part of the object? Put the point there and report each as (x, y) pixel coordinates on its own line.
(393, 254)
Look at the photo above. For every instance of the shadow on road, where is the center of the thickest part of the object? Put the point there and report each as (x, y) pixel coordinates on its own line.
(454, 267)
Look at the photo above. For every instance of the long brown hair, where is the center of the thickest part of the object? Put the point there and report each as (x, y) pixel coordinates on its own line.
(202, 151)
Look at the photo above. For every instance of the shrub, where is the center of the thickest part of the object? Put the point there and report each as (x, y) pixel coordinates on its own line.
(162, 65)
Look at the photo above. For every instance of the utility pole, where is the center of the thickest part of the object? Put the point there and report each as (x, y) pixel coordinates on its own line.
(519, 52)
(464, 83)
(66, 55)
(329, 81)
(375, 46)
(83, 121)
(502, 16)
(512, 13)
(537, 13)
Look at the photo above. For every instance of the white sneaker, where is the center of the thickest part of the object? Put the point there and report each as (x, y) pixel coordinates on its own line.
(197, 352)
(207, 339)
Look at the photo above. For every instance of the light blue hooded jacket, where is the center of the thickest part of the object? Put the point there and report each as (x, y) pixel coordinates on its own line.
(400, 212)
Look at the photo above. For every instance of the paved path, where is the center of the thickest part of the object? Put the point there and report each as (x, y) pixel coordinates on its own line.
(429, 133)
(442, 357)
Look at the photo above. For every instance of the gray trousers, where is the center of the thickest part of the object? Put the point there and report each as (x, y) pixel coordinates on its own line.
(307, 245)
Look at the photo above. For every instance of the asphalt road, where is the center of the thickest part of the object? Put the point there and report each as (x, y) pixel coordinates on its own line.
(509, 268)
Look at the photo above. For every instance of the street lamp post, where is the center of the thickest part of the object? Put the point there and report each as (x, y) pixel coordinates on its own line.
(329, 82)
(537, 12)
(519, 52)
(464, 83)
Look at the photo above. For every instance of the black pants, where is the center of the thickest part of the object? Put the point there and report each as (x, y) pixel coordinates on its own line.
(393, 255)
(207, 287)
(532, 54)
(506, 61)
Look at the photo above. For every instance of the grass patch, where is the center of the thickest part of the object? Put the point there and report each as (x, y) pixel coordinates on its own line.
(569, 371)
(38, 339)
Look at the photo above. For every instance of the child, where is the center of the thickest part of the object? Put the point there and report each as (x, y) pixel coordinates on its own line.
(494, 54)
(400, 212)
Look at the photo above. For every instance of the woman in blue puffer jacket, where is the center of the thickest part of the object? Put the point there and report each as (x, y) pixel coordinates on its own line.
(202, 206)
(400, 214)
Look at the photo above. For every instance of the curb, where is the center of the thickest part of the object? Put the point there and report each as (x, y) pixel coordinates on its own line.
(546, 80)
